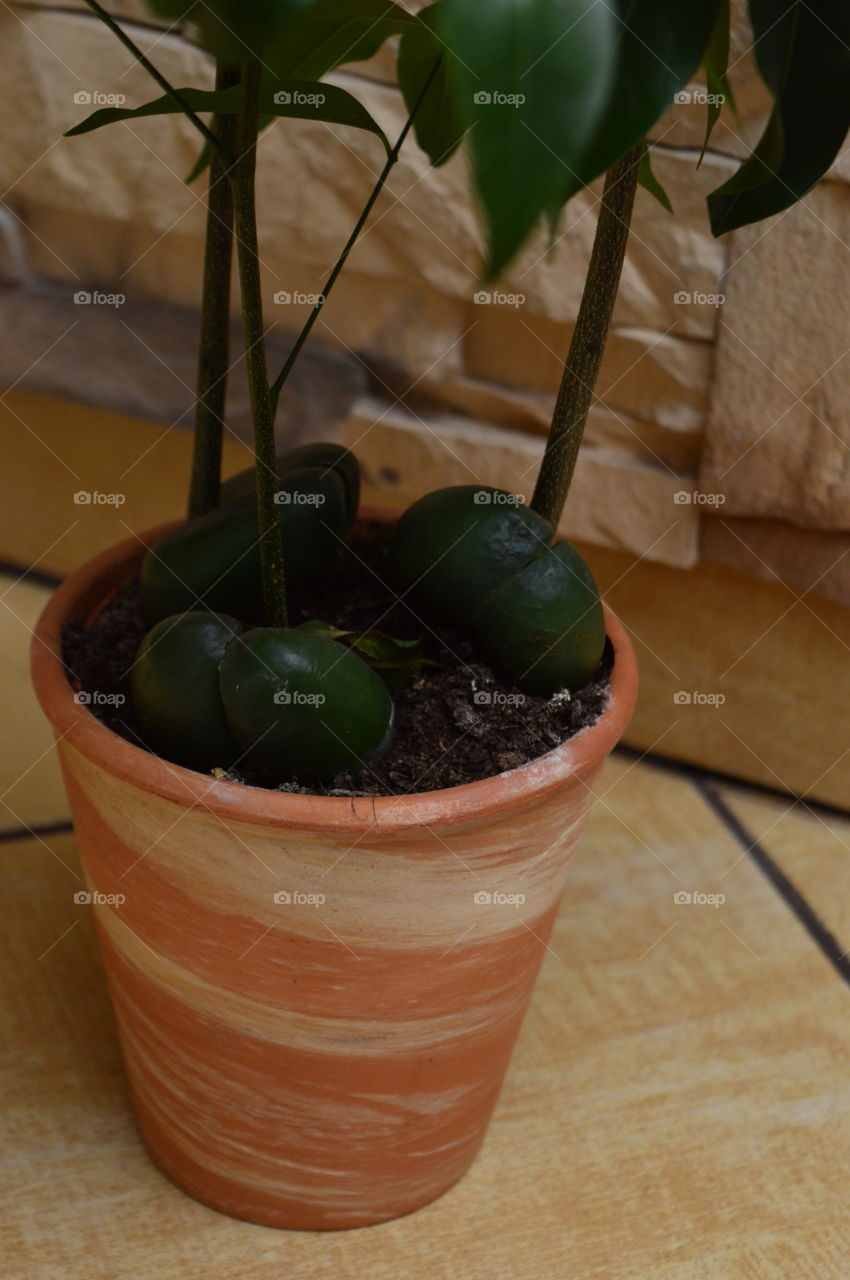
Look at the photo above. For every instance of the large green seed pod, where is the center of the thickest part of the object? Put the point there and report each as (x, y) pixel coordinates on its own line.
(454, 546)
(214, 561)
(322, 454)
(298, 703)
(544, 626)
(175, 689)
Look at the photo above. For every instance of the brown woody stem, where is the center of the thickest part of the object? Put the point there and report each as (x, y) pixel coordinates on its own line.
(589, 336)
(214, 346)
(245, 221)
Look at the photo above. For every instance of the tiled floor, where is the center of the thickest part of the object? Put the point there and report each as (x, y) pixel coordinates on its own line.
(678, 1107)
(31, 794)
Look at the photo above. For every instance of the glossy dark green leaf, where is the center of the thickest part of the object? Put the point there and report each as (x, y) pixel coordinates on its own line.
(439, 125)
(650, 183)
(716, 63)
(331, 33)
(659, 47)
(532, 79)
(300, 99)
(803, 54)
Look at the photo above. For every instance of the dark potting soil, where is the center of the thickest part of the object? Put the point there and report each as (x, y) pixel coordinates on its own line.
(456, 722)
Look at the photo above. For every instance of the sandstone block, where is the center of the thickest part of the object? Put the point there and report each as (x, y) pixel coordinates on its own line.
(778, 436)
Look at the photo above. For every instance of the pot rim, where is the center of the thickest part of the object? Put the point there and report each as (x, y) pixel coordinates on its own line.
(87, 588)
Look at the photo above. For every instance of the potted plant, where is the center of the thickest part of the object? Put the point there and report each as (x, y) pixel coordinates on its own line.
(320, 941)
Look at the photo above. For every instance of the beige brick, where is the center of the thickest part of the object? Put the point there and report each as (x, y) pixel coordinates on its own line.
(806, 560)
(612, 430)
(778, 439)
(661, 378)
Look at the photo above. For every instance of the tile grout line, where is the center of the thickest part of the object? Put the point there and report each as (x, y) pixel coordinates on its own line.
(691, 771)
(799, 906)
(59, 827)
(25, 573)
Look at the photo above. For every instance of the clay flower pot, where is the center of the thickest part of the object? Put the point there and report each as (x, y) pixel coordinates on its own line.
(317, 998)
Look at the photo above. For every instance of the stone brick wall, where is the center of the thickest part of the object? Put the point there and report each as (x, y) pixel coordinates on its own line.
(740, 399)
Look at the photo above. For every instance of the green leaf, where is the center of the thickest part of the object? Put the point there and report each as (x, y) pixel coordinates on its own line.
(397, 660)
(439, 125)
(331, 33)
(301, 99)
(310, 100)
(650, 183)
(202, 163)
(532, 79)
(232, 28)
(226, 100)
(660, 45)
(803, 54)
(385, 652)
(716, 63)
(317, 36)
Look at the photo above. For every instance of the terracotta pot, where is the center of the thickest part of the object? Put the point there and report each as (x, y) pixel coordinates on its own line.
(317, 998)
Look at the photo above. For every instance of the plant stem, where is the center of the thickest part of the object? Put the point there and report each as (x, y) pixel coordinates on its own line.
(214, 346)
(174, 94)
(245, 219)
(392, 157)
(589, 336)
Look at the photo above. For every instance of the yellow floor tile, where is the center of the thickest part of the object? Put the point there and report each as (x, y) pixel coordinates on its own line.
(135, 474)
(737, 675)
(811, 846)
(31, 792)
(676, 1109)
